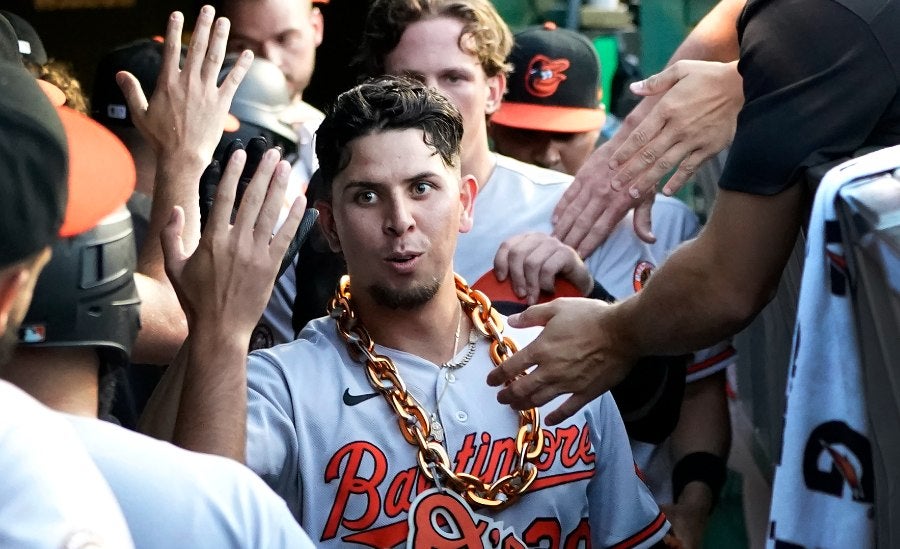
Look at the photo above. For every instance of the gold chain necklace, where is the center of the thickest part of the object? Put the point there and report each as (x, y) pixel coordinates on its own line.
(415, 425)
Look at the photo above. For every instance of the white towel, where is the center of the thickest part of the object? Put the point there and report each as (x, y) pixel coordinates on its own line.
(824, 484)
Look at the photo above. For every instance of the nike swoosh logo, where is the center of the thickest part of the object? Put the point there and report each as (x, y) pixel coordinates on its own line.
(353, 400)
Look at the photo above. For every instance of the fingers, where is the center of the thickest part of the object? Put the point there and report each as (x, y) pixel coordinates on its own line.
(514, 366)
(640, 151)
(658, 83)
(592, 211)
(566, 200)
(603, 226)
(236, 76)
(172, 48)
(282, 240)
(568, 408)
(685, 172)
(215, 52)
(255, 195)
(645, 182)
(220, 216)
(134, 97)
(274, 199)
(196, 53)
(643, 223)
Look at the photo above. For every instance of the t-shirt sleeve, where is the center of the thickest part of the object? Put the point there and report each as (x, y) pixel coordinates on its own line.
(272, 444)
(808, 100)
(623, 513)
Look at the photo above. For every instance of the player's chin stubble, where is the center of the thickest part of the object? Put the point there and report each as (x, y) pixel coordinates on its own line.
(406, 298)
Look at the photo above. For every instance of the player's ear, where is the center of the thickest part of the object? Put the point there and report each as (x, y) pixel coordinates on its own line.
(468, 188)
(496, 85)
(317, 22)
(16, 283)
(326, 222)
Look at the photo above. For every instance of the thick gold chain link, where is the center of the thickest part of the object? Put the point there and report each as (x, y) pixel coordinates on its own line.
(414, 422)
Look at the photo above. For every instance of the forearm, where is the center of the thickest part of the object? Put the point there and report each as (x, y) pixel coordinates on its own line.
(177, 184)
(715, 36)
(712, 286)
(212, 415)
(704, 424)
(163, 324)
(161, 412)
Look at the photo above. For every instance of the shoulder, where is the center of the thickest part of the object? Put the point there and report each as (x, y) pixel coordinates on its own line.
(511, 169)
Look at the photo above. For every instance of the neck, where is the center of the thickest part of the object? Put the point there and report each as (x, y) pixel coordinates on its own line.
(426, 331)
(63, 379)
(479, 161)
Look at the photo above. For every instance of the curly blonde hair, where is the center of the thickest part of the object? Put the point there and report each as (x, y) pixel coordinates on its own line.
(484, 34)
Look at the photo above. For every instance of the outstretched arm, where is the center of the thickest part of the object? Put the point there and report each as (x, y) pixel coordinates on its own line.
(223, 286)
(587, 346)
(183, 123)
(668, 128)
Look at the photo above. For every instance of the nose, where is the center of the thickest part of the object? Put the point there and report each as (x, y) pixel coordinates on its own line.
(272, 52)
(399, 218)
(547, 155)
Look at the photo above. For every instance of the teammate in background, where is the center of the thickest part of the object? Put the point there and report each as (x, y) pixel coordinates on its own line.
(552, 116)
(396, 202)
(287, 33)
(53, 494)
(688, 114)
(460, 48)
(80, 327)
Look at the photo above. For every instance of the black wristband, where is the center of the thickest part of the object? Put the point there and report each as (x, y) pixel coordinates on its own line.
(699, 466)
(599, 292)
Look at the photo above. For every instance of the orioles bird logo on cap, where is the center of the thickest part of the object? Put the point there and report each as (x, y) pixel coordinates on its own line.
(544, 75)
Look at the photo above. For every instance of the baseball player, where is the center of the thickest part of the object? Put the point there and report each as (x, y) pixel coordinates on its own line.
(53, 494)
(77, 333)
(422, 39)
(376, 425)
(552, 116)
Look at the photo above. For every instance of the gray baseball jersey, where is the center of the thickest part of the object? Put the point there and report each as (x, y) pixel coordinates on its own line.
(174, 498)
(520, 198)
(329, 444)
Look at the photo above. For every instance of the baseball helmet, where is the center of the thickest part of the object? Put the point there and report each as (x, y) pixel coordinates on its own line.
(259, 104)
(86, 295)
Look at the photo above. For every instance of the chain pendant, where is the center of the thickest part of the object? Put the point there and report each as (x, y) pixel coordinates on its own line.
(437, 430)
(424, 430)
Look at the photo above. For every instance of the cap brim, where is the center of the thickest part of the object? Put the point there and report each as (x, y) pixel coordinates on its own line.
(528, 116)
(503, 292)
(101, 172)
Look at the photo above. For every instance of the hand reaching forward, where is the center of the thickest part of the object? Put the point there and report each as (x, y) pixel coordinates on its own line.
(533, 261)
(228, 279)
(576, 353)
(186, 114)
(689, 113)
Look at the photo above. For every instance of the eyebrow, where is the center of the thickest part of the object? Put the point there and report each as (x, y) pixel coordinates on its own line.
(374, 184)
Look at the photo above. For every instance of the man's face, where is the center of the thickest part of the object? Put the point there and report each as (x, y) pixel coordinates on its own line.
(429, 52)
(286, 32)
(395, 213)
(564, 152)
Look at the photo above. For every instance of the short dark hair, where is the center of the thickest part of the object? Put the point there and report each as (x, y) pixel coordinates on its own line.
(381, 104)
(388, 20)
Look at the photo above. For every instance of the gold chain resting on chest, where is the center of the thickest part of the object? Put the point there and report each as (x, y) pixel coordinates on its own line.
(414, 422)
